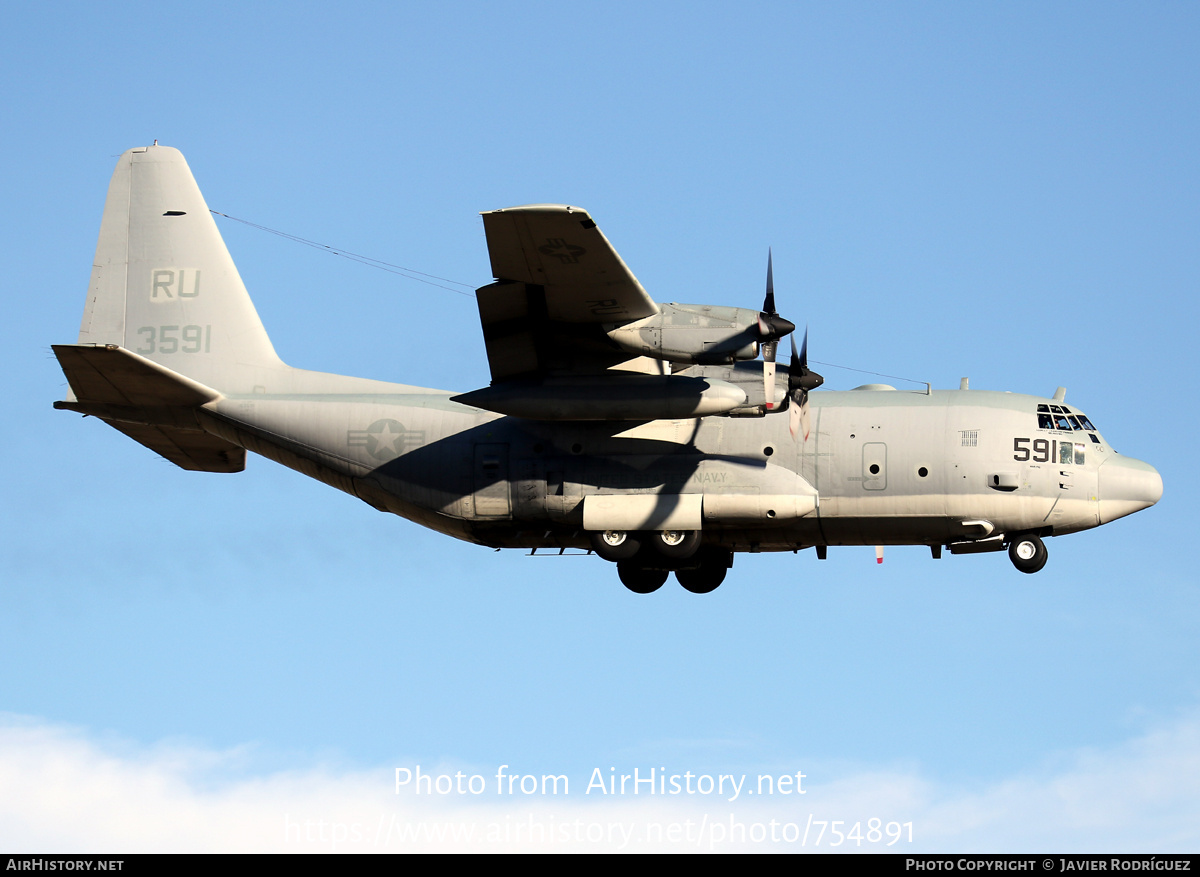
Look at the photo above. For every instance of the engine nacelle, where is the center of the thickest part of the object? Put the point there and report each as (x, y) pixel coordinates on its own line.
(708, 334)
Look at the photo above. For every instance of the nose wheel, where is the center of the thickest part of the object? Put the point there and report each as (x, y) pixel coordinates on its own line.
(1028, 553)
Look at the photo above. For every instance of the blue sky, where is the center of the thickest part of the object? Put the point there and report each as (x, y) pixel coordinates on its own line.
(1003, 191)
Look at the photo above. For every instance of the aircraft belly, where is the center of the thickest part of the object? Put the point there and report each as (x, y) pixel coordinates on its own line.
(390, 455)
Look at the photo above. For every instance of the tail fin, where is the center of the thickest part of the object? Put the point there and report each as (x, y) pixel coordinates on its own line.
(163, 283)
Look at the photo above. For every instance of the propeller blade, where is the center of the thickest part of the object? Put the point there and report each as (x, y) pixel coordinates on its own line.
(771, 326)
(794, 423)
(769, 301)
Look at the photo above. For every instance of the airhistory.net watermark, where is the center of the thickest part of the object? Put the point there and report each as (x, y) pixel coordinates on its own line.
(600, 783)
(703, 832)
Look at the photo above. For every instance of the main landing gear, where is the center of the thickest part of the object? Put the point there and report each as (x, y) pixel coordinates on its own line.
(645, 559)
(1027, 553)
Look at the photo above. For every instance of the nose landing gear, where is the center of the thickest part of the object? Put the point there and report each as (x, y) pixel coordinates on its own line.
(1027, 553)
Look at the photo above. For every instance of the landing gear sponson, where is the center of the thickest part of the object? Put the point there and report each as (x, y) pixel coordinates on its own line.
(645, 559)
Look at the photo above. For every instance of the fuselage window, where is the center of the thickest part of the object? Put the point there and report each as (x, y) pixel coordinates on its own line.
(1064, 452)
(1079, 453)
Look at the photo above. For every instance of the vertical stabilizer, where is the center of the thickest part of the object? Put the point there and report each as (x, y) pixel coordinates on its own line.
(163, 283)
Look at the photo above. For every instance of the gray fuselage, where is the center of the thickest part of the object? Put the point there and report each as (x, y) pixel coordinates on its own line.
(889, 467)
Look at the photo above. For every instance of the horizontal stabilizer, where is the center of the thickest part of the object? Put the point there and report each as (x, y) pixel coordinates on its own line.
(186, 448)
(147, 402)
(111, 375)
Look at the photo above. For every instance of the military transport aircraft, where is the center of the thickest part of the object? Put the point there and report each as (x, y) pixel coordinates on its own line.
(645, 432)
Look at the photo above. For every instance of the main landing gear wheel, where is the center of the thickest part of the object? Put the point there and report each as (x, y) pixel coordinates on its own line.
(639, 579)
(615, 545)
(707, 575)
(1028, 553)
(676, 544)
(702, 580)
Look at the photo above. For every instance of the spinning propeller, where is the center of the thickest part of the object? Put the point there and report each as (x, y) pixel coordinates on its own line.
(771, 327)
(801, 379)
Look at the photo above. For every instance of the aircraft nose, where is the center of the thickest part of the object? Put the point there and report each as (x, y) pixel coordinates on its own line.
(1126, 486)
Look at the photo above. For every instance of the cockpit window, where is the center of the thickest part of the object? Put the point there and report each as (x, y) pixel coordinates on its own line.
(1061, 417)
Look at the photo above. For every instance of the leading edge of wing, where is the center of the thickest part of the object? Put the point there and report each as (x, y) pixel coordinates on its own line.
(561, 249)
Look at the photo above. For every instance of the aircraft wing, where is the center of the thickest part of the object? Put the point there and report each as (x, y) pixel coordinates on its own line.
(561, 249)
(559, 285)
(557, 280)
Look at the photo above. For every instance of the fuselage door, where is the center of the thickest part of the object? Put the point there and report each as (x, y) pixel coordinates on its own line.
(874, 466)
(492, 493)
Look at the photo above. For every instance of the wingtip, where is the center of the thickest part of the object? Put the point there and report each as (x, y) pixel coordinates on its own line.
(539, 208)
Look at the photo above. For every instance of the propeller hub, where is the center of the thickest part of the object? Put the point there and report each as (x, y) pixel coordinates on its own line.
(772, 327)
